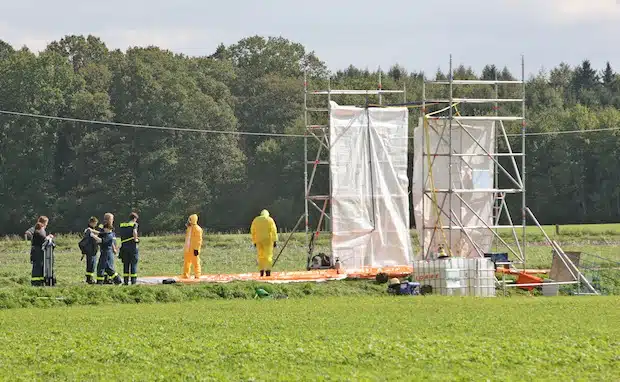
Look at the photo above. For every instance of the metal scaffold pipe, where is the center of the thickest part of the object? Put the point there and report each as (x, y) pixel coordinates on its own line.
(523, 124)
(450, 191)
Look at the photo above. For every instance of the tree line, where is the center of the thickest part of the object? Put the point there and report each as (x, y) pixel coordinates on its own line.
(69, 169)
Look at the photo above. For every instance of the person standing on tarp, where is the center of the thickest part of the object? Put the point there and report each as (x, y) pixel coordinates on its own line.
(36, 250)
(129, 248)
(91, 252)
(264, 237)
(193, 244)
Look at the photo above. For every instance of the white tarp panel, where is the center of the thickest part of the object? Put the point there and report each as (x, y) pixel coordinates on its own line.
(468, 172)
(368, 169)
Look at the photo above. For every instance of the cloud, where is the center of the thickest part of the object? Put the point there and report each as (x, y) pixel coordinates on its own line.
(587, 10)
(568, 12)
(172, 38)
(188, 40)
(18, 37)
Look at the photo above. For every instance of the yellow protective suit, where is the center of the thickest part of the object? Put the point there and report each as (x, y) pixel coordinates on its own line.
(264, 235)
(193, 242)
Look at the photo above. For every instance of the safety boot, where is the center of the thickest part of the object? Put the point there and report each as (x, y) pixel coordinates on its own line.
(134, 280)
(89, 279)
(126, 280)
(262, 273)
(268, 273)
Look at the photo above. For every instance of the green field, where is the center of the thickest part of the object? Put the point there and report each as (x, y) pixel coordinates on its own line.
(223, 254)
(349, 330)
(429, 338)
(588, 231)
(162, 255)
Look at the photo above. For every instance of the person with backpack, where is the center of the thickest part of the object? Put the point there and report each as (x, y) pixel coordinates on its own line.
(89, 245)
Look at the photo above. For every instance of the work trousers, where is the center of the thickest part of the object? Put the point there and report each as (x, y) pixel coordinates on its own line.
(106, 267)
(265, 255)
(37, 273)
(190, 260)
(36, 258)
(130, 258)
(91, 261)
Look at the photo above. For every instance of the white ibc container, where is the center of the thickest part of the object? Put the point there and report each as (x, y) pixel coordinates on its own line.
(446, 276)
(481, 277)
(427, 272)
(457, 276)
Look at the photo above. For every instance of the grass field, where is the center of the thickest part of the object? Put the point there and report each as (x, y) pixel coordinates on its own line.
(349, 330)
(429, 338)
(568, 232)
(162, 255)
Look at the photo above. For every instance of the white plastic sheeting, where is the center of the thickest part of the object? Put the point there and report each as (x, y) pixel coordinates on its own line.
(468, 173)
(368, 169)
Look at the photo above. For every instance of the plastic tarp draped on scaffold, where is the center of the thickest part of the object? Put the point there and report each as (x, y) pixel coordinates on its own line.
(475, 210)
(368, 170)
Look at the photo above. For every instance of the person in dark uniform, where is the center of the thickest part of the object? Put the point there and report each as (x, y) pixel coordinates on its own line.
(36, 251)
(93, 245)
(129, 248)
(108, 217)
(106, 257)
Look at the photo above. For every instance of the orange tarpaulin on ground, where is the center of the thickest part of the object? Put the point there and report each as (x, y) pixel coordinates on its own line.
(288, 277)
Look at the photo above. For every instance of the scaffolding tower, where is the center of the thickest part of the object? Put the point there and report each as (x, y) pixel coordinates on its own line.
(455, 123)
(320, 132)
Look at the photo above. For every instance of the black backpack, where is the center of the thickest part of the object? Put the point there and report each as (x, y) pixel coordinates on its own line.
(84, 244)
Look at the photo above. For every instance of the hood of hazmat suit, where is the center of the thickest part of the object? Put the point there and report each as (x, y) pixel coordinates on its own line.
(193, 235)
(193, 219)
(263, 229)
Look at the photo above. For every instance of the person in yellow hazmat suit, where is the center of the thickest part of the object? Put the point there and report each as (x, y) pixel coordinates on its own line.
(264, 237)
(193, 244)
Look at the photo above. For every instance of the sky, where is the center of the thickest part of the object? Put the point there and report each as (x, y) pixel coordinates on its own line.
(418, 35)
